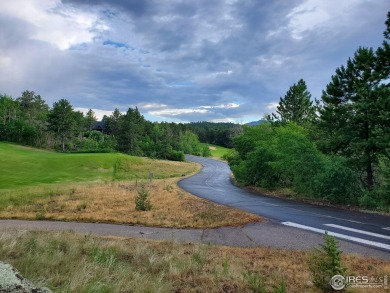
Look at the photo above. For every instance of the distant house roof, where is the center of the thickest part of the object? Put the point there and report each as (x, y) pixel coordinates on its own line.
(99, 126)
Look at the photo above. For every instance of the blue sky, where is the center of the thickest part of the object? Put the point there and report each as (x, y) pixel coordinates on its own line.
(180, 60)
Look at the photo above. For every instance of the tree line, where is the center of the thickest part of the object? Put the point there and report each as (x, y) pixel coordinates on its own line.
(29, 120)
(221, 133)
(336, 148)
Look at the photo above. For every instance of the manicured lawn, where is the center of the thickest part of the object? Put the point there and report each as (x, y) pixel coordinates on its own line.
(217, 151)
(24, 166)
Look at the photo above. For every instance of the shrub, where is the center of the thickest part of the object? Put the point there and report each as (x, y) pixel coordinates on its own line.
(337, 182)
(176, 156)
(142, 201)
(206, 151)
(325, 262)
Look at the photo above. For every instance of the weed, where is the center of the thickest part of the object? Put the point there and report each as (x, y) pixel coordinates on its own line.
(103, 256)
(40, 216)
(32, 245)
(225, 265)
(255, 282)
(168, 187)
(82, 206)
(282, 287)
(199, 259)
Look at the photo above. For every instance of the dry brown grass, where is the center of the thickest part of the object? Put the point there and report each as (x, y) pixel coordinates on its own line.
(69, 262)
(114, 202)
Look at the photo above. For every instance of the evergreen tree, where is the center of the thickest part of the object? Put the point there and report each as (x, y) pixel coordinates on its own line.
(132, 125)
(355, 111)
(61, 120)
(33, 108)
(113, 123)
(295, 106)
(90, 119)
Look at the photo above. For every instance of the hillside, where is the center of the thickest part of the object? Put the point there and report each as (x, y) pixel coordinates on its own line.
(254, 123)
(24, 166)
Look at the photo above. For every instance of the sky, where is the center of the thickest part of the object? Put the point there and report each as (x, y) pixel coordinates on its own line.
(180, 60)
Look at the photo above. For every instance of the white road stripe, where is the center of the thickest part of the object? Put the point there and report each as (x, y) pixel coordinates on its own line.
(338, 235)
(359, 231)
(388, 228)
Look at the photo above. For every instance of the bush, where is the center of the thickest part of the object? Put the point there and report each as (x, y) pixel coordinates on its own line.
(142, 201)
(206, 151)
(337, 182)
(176, 156)
(379, 196)
(325, 262)
(232, 157)
(297, 159)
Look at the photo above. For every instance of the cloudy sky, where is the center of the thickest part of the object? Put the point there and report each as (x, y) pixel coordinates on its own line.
(180, 60)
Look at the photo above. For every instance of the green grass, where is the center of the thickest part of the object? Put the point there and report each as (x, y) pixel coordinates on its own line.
(216, 150)
(24, 167)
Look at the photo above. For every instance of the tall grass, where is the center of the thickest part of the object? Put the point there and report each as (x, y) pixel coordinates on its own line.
(68, 262)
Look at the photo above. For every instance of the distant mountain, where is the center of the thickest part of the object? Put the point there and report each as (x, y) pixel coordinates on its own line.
(254, 123)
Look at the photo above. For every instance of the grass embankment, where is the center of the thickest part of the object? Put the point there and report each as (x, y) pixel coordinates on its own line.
(217, 151)
(68, 262)
(41, 185)
(24, 166)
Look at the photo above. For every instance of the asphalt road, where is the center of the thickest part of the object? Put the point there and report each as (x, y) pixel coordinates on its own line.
(365, 229)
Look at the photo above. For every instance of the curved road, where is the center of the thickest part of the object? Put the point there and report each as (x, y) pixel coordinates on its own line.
(213, 183)
(291, 226)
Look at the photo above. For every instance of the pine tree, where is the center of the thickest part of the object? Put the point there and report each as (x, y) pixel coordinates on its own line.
(90, 119)
(295, 106)
(356, 110)
(61, 120)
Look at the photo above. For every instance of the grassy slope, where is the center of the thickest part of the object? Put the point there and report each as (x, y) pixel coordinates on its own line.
(37, 184)
(23, 166)
(216, 150)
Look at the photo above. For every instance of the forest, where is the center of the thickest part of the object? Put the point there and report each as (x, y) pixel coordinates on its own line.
(30, 121)
(335, 149)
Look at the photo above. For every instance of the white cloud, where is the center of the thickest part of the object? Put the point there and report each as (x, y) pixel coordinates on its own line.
(224, 106)
(183, 111)
(222, 120)
(54, 23)
(272, 60)
(271, 106)
(221, 73)
(151, 105)
(98, 113)
(312, 14)
(176, 112)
